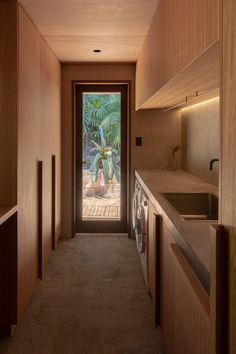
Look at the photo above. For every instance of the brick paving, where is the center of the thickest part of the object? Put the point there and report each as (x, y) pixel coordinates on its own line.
(101, 207)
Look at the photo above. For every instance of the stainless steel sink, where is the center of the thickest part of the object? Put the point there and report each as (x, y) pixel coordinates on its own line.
(194, 206)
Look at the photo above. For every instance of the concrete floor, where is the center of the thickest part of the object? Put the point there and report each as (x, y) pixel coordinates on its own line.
(92, 300)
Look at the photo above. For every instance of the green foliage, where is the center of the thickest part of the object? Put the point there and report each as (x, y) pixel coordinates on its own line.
(105, 159)
(102, 110)
(111, 125)
(101, 118)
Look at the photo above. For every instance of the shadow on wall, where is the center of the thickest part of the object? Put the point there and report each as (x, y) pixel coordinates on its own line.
(201, 139)
(160, 132)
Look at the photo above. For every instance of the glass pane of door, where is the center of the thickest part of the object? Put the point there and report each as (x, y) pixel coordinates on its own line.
(101, 155)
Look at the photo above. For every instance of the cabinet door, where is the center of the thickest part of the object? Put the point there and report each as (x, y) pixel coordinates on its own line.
(185, 323)
(191, 308)
(180, 32)
(166, 289)
(154, 260)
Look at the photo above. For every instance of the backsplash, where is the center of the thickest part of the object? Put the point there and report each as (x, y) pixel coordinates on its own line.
(160, 132)
(200, 140)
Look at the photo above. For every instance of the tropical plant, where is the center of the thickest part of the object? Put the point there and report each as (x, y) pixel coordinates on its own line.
(102, 110)
(111, 125)
(106, 159)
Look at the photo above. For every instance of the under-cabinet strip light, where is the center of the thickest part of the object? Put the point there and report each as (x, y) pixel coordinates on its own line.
(200, 103)
(190, 101)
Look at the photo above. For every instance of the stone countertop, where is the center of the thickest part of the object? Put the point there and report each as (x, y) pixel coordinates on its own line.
(195, 234)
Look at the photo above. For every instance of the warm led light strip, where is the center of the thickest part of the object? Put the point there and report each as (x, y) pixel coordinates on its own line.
(200, 103)
(197, 99)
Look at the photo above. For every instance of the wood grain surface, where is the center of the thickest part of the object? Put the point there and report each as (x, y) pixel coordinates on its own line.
(6, 211)
(200, 136)
(73, 29)
(228, 147)
(192, 309)
(200, 75)
(219, 290)
(167, 289)
(50, 139)
(154, 261)
(8, 275)
(38, 138)
(181, 30)
(8, 102)
(28, 154)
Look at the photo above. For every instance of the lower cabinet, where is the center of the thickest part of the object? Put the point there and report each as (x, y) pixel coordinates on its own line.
(184, 303)
(154, 261)
(167, 290)
(8, 275)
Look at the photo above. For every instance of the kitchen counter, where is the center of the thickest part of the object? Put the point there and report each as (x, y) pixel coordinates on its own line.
(192, 236)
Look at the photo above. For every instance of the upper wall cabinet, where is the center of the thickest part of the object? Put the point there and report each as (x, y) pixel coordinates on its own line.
(181, 53)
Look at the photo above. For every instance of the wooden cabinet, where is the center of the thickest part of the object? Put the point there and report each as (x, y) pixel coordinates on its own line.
(183, 39)
(191, 308)
(8, 269)
(8, 103)
(228, 156)
(154, 260)
(30, 131)
(185, 308)
(167, 290)
(38, 139)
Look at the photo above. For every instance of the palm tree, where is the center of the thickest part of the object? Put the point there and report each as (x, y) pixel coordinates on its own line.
(105, 159)
(111, 125)
(102, 110)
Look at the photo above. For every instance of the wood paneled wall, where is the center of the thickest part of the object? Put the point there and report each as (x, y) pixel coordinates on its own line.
(159, 130)
(28, 154)
(38, 139)
(8, 102)
(50, 84)
(228, 164)
(200, 133)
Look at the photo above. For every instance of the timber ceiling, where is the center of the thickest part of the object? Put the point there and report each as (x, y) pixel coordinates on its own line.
(74, 28)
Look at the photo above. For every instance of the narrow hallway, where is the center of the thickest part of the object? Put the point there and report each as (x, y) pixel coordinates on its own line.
(92, 300)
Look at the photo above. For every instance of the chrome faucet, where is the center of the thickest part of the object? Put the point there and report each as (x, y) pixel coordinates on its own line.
(211, 163)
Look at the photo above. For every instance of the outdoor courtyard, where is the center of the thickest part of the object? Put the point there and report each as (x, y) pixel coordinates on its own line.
(100, 201)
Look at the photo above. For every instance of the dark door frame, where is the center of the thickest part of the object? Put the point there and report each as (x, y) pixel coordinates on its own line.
(96, 226)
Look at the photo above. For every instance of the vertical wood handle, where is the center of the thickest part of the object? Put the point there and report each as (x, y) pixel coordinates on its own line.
(219, 290)
(158, 274)
(53, 202)
(40, 219)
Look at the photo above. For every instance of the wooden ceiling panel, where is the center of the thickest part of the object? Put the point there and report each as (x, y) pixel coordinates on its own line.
(114, 48)
(74, 27)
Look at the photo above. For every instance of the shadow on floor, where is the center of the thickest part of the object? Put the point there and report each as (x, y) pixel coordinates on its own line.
(92, 300)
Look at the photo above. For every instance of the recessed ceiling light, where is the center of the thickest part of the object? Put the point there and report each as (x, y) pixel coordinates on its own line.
(97, 50)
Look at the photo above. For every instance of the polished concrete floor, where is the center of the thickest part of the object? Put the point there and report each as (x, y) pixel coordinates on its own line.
(92, 300)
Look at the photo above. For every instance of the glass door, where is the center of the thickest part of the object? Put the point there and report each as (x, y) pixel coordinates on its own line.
(101, 156)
